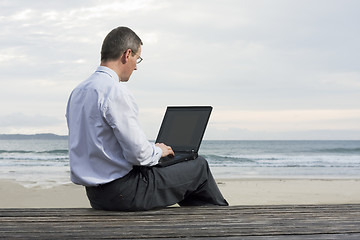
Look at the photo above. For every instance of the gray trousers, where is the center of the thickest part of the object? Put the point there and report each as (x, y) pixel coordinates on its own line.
(188, 183)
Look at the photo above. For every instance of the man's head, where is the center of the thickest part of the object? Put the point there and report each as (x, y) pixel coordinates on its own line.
(120, 51)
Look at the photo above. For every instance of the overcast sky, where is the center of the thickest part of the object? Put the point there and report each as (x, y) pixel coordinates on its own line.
(276, 69)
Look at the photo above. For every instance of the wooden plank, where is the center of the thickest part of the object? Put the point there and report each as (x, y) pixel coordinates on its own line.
(249, 222)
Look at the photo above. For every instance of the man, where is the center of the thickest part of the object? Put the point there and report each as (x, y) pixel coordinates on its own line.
(110, 154)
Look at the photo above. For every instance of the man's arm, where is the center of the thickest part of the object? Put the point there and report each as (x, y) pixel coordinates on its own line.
(121, 114)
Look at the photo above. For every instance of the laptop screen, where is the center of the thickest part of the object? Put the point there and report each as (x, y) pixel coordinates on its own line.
(183, 127)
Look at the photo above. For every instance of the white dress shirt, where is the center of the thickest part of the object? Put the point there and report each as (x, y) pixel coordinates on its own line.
(105, 139)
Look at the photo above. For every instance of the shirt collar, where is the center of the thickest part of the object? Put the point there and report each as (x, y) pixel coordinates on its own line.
(108, 71)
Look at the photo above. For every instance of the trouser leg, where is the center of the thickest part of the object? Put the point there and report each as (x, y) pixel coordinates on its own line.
(187, 183)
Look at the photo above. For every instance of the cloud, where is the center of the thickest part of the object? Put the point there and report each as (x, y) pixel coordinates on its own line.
(255, 57)
(9, 55)
(22, 120)
(350, 80)
(288, 120)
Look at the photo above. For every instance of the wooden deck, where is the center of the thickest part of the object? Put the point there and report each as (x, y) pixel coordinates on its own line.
(236, 222)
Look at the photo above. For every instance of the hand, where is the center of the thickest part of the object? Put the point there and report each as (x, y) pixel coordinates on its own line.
(166, 150)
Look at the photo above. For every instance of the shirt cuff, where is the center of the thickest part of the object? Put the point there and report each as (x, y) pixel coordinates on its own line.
(158, 152)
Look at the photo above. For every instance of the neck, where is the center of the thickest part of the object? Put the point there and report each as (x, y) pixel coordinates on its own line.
(113, 65)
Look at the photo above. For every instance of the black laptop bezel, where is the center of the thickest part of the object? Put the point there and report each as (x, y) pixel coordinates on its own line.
(195, 148)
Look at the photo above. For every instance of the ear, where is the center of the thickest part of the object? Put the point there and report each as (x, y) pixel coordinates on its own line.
(126, 55)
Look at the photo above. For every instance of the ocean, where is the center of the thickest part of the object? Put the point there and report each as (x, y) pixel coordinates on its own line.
(45, 163)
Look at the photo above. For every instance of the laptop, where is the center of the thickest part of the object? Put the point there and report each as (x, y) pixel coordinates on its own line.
(182, 129)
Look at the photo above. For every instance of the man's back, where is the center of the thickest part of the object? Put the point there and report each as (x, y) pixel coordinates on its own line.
(98, 114)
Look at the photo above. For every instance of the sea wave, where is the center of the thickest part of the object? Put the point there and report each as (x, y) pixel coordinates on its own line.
(35, 158)
(55, 151)
(272, 161)
(338, 150)
(228, 158)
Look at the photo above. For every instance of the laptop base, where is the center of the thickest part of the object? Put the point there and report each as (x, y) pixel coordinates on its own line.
(167, 161)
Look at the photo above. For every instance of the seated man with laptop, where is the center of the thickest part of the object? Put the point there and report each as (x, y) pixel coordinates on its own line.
(109, 153)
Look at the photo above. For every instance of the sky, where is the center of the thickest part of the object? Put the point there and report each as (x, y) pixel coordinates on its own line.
(272, 70)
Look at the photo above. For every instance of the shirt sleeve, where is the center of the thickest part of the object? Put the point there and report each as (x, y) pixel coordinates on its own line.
(121, 113)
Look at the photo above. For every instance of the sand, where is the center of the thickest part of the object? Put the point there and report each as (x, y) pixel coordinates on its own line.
(236, 191)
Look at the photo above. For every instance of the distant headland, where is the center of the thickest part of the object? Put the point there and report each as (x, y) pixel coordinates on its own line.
(45, 136)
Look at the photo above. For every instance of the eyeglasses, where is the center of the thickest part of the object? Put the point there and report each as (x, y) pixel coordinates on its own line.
(139, 59)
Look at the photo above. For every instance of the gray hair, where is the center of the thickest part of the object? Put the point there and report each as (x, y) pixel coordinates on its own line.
(118, 41)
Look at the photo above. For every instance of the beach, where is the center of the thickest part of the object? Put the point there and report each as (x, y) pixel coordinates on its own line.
(252, 191)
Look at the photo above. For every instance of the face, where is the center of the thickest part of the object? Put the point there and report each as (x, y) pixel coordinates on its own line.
(131, 65)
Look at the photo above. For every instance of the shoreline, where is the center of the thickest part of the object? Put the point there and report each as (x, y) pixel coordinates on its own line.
(237, 191)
